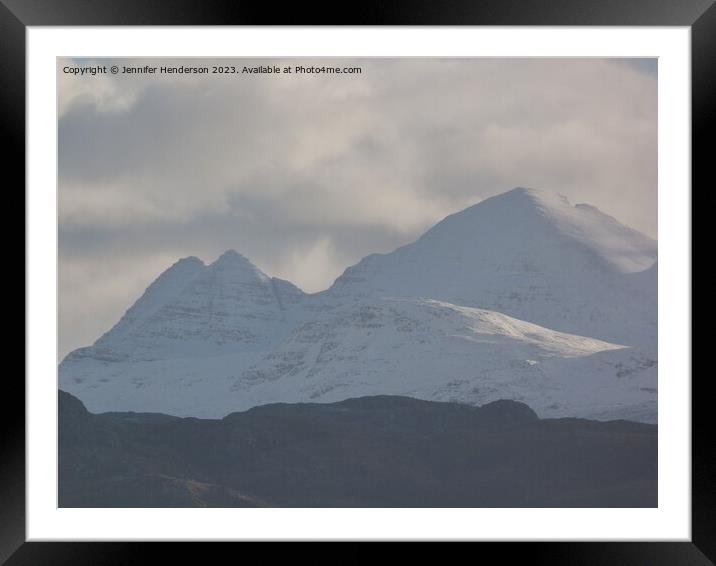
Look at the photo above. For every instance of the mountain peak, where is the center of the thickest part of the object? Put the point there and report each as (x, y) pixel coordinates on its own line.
(528, 253)
(232, 261)
(521, 212)
(190, 260)
(231, 255)
(530, 219)
(534, 198)
(525, 191)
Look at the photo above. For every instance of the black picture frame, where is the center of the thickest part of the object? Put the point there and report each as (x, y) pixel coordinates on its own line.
(17, 15)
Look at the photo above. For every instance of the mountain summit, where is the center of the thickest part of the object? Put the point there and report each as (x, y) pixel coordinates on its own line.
(194, 309)
(530, 254)
(522, 296)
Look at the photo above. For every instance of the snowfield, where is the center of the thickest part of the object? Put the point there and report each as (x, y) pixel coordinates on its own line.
(522, 296)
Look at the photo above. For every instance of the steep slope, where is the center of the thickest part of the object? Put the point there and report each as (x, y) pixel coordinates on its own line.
(367, 452)
(529, 254)
(193, 310)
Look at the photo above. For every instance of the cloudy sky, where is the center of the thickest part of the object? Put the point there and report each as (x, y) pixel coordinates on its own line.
(306, 174)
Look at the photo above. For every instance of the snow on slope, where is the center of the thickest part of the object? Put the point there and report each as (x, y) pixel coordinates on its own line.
(522, 296)
(529, 254)
(438, 351)
(196, 310)
(422, 348)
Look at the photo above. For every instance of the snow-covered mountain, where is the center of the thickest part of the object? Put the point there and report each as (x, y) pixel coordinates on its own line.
(530, 254)
(193, 310)
(522, 296)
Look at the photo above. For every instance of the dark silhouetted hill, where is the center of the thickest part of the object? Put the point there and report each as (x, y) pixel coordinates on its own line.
(379, 451)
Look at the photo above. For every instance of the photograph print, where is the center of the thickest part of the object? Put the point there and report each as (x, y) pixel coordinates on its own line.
(372, 282)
